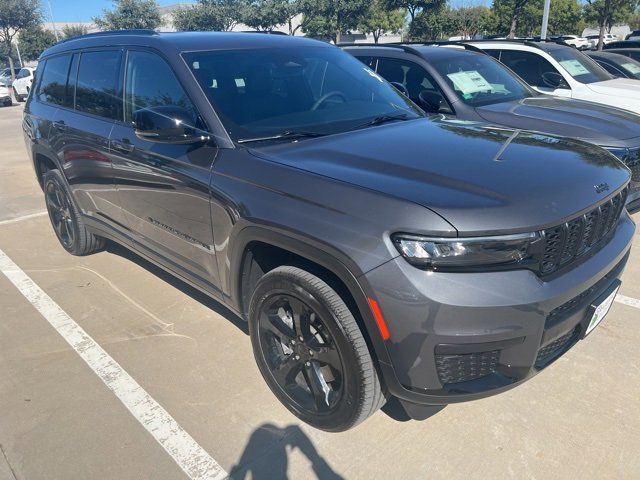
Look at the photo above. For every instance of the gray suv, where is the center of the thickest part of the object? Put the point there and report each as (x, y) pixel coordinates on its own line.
(374, 252)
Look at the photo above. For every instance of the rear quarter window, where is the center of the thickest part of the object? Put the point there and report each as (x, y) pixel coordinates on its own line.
(53, 81)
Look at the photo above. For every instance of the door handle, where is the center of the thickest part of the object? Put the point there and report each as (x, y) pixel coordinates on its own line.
(124, 145)
(60, 125)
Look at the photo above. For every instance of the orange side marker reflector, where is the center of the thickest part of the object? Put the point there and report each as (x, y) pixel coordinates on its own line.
(377, 314)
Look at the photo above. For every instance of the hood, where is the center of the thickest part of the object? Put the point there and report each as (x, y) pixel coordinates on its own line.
(482, 180)
(620, 87)
(592, 122)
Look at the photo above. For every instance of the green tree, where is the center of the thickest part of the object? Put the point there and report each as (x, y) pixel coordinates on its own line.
(210, 15)
(379, 19)
(413, 7)
(15, 16)
(34, 40)
(431, 25)
(471, 21)
(266, 14)
(565, 17)
(70, 31)
(606, 13)
(130, 14)
(331, 18)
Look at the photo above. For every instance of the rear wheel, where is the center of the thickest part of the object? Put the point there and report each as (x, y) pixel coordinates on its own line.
(65, 218)
(311, 351)
(19, 97)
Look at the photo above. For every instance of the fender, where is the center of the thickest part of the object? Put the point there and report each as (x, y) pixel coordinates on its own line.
(316, 252)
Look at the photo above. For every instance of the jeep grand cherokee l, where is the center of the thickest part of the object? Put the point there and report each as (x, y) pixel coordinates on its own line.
(373, 251)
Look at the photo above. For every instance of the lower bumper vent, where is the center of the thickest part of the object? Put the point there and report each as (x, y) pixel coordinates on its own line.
(466, 367)
(557, 347)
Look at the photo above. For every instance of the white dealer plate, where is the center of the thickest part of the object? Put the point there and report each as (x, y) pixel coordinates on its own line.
(601, 311)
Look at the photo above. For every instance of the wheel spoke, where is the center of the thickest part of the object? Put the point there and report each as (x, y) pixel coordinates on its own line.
(277, 327)
(319, 389)
(300, 318)
(327, 356)
(70, 231)
(285, 371)
(53, 198)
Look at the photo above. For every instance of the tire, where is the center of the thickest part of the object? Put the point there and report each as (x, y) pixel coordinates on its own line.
(65, 218)
(330, 357)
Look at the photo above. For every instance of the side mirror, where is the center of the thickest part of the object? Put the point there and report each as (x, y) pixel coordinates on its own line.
(431, 101)
(166, 124)
(400, 86)
(554, 80)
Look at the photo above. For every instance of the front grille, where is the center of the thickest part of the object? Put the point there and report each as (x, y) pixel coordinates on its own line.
(568, 307)
(557, 347)
(564, 243)
(632, 160)
(466, 367)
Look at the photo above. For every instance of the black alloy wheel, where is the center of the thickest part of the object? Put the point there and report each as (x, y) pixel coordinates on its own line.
(301, 354)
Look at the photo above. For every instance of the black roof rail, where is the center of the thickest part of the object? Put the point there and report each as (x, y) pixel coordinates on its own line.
(456, 43)
(399, 46)
(137, 31)
(406, 46)
(529, 42)
(266, 32)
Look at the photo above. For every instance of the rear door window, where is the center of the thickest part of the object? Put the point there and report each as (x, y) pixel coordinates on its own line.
(528, 65)
(97, 85)
(53, 86)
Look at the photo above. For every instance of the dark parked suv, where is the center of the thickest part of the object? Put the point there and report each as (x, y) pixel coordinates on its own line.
(374, 252)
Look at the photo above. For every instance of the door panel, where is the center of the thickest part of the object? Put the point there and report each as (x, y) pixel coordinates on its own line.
(80, 137)
(164, 187)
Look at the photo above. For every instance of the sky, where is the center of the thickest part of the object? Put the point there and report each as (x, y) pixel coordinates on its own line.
(84, 10)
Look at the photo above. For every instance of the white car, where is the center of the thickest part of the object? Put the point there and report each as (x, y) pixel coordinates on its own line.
(22, 83)
(564, 72)
(5, 94)
(574, 41)
(635, 35)
(606, 40)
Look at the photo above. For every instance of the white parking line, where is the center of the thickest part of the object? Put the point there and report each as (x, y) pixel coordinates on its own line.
(24, 217)
(631, 302)
(190, 457)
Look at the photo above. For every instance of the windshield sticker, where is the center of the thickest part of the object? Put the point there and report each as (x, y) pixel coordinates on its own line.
(574, 67)
(469, 82)
(632, 67)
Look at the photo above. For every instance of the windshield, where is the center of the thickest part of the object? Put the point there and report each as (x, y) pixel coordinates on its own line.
(480, 80)
(579, 66)
(290, 93)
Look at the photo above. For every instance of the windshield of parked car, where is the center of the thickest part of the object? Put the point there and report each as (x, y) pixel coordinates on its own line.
(292, 93)
(480, 80)
(579, 66)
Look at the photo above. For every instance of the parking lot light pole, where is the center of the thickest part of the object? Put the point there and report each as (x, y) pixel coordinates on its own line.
(545, 19)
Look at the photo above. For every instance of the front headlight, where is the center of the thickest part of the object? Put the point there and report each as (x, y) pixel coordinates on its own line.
(631, 158)
(466, 253)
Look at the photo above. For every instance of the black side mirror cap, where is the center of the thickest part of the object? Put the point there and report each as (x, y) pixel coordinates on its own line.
(167, 124)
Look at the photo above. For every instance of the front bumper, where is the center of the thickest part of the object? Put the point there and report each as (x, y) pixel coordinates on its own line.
(462, 336)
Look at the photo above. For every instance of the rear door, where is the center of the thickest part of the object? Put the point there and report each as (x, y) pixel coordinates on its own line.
(80, 135)
(164, 187)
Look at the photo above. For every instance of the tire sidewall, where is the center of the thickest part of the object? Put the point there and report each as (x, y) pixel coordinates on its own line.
(54, 176)
(348, 409)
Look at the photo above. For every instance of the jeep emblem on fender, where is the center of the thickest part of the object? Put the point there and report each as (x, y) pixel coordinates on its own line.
(601, 187)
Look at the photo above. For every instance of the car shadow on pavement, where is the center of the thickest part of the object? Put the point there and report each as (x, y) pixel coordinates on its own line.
(266, 455)
(392, 408)
(175, 282)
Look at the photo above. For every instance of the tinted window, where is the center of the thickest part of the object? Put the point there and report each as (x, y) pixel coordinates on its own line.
(414, 77)
(369, 61)
(270, 91)
(480, 80)
(53, 83)
(579, 66)
(150, 82)
(527, 65)
(96, 90)
(23, 73)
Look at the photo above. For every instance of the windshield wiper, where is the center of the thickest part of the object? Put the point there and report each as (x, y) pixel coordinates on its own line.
(288, 134)
(379, 120)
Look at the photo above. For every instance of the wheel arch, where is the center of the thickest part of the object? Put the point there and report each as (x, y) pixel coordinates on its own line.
(259, 250)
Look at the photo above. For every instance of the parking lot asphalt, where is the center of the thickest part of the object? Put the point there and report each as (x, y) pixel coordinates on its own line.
(60, 419)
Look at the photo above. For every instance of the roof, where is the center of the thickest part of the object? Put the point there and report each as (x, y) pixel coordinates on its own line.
(182, 41)
(544, 46)
(433, 52)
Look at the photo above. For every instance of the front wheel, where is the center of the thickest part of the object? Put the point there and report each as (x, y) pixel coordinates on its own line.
(311, 352)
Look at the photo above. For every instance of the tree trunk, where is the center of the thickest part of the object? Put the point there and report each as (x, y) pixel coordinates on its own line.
(13, 74)
(517, 10)
(603, 23)
(376, 36)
